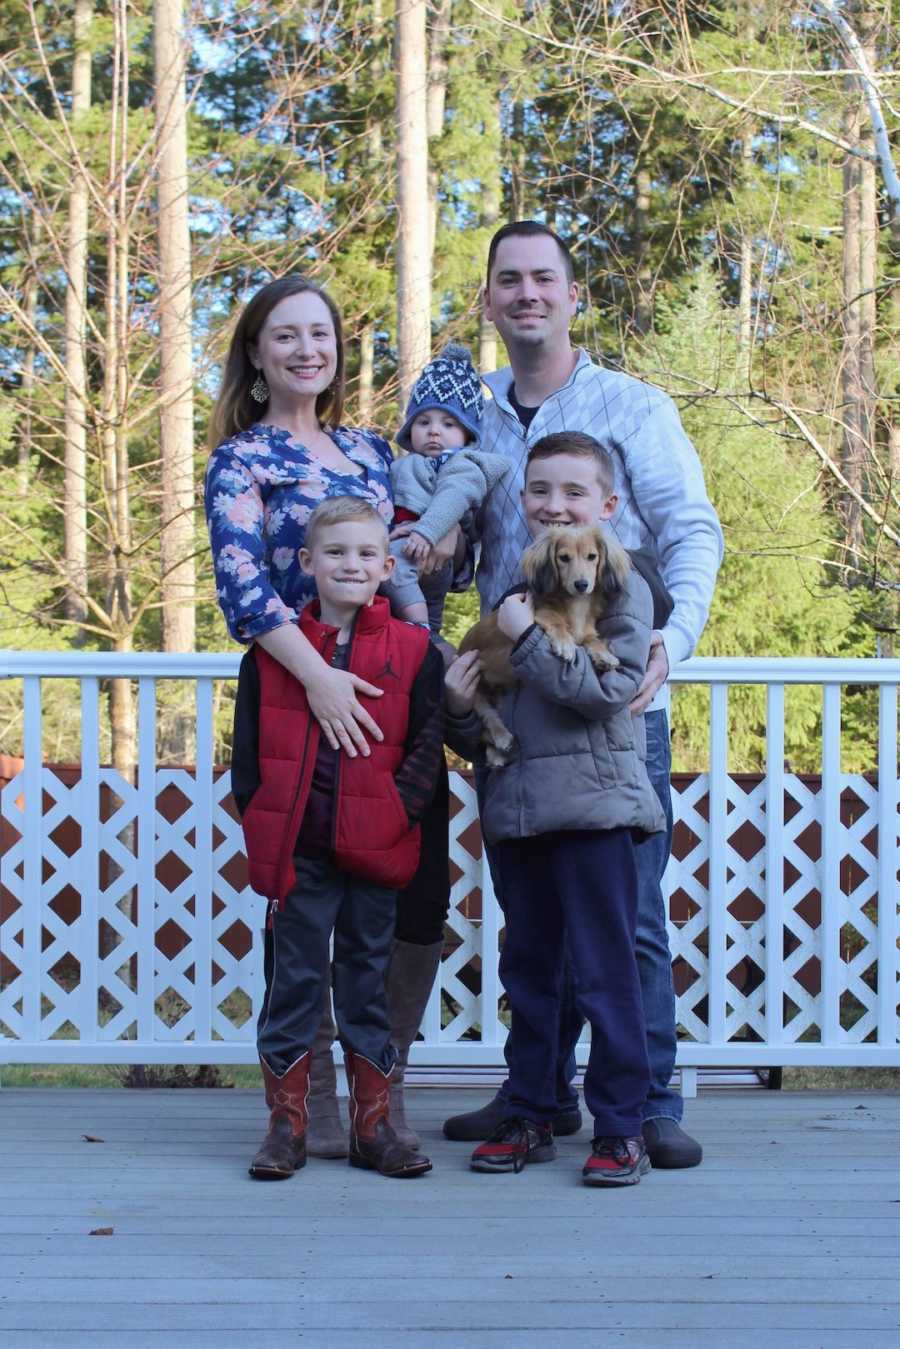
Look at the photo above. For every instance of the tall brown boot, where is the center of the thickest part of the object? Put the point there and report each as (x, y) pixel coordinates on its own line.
(283, 1149)
(373, 1144)
(410, 977)
(326, 1135)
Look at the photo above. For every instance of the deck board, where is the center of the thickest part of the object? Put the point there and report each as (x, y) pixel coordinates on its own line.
(791, 1227)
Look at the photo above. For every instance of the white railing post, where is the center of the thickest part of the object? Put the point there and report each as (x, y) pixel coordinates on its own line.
(830, 888)
(203, 852)
(888, 862)
(88, 798)
(718, 882)
(32, 865)
(146, 861)
(774, 863)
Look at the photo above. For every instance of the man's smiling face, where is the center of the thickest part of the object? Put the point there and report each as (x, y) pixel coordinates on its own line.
(529, 297)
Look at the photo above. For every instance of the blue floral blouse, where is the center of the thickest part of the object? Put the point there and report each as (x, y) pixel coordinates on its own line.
(261, 488)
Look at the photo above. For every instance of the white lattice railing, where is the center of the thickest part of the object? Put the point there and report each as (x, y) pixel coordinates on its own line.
(128, 934)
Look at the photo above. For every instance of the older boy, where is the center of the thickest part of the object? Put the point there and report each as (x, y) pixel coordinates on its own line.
(330, 839)
(559, 820)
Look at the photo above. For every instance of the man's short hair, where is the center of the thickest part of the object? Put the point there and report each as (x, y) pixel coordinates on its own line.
(581, 445)
(337, 511)
(520, 228)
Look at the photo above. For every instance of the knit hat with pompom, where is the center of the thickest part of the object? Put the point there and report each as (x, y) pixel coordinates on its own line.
(450, 383)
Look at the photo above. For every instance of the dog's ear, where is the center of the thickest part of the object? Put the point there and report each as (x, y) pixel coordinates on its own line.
(614, 566)
(539, 567)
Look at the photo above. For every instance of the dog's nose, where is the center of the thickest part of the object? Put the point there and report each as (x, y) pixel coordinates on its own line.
(581, 585)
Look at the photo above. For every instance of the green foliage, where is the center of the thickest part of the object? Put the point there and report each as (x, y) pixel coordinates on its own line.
(774, 596)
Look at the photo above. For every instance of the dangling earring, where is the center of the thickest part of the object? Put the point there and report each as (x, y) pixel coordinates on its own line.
(259, 389)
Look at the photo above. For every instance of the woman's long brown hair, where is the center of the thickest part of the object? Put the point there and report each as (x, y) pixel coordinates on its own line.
(234, 409)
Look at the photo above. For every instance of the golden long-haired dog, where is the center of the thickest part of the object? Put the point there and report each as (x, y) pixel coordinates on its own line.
(572, 575)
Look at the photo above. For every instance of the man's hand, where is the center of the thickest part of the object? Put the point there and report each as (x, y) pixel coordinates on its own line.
(461, 683)
(417, 548)
(656, 676)
(515, 616)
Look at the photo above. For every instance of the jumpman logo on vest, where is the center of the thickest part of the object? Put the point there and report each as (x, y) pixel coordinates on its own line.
(387, 671)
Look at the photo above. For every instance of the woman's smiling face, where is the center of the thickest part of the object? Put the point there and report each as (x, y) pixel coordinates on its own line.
(297, 348)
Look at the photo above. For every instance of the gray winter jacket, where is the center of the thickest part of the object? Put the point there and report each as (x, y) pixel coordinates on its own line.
(441, 494)
(580, 758)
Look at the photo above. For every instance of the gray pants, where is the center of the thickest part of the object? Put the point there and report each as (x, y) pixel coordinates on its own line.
(362, 917)
(406, 586)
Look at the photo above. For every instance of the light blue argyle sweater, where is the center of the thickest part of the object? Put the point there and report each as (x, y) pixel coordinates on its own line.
(663, 504)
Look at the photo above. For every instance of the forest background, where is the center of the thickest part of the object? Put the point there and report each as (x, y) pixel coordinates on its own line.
(722, 171)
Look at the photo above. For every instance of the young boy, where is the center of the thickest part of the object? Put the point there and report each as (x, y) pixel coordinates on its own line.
(330, 839)
(439, 482)
(559, 820)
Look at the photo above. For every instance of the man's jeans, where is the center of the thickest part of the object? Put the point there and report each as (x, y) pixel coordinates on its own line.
(652, 948)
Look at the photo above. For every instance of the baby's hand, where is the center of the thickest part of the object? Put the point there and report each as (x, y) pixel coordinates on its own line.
(417, 548)
(515, 615)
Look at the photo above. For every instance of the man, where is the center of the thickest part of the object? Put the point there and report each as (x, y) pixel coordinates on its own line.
(531, 297)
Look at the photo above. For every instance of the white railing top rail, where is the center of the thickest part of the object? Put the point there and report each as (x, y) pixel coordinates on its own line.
(224, 665)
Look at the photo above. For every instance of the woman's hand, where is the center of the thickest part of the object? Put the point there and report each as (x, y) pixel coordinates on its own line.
(515, 616)
(417, 548)
(461, 683)
(345, 723)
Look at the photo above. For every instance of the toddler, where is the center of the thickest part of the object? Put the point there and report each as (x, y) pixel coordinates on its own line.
(440, 481)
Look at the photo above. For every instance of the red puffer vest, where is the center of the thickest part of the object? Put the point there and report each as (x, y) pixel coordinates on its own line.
(372, 834)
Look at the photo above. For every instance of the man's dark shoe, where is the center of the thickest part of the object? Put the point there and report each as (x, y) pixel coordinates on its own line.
(669, 1147)
(513, 1144)
(616, 1161)
(478, 1124)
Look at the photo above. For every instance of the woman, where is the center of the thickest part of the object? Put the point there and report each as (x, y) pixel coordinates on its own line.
(278, 449)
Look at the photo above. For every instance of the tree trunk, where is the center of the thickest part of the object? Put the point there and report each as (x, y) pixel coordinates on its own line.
(413, 254)
(852, 445)
(868, 247)
(643, 308)
(438, 37)
(745, 299)
(176, 372)
(518, 198)
(491, 198)
(366, 387)
(75, 472)
(25, 430)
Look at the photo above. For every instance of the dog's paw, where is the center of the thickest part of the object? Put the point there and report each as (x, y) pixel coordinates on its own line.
(565, 650)
(601, 656)
(499, 758)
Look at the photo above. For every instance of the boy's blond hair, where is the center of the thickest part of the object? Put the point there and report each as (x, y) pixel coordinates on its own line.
(337, 511)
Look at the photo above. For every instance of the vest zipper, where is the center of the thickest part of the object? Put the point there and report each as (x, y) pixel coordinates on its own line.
(338, 760)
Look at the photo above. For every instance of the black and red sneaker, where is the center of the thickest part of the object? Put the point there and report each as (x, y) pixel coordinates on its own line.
(514, 1143)
(616, 1161)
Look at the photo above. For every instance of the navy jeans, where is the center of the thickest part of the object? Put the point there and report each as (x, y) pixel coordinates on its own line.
(651, 947)
(582, 886)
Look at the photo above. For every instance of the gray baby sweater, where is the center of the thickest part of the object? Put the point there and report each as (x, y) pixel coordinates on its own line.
(440, 494)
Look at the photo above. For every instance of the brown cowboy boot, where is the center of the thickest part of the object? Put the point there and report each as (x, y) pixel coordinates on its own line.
(373, 1144)
(326, 1135)
(283, 1149)
(410, 977)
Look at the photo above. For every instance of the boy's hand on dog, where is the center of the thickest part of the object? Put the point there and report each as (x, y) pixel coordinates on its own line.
(656, 676)
(515, 616)
(461, 683)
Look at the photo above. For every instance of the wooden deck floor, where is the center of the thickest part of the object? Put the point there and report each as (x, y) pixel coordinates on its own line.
(788, 1235)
